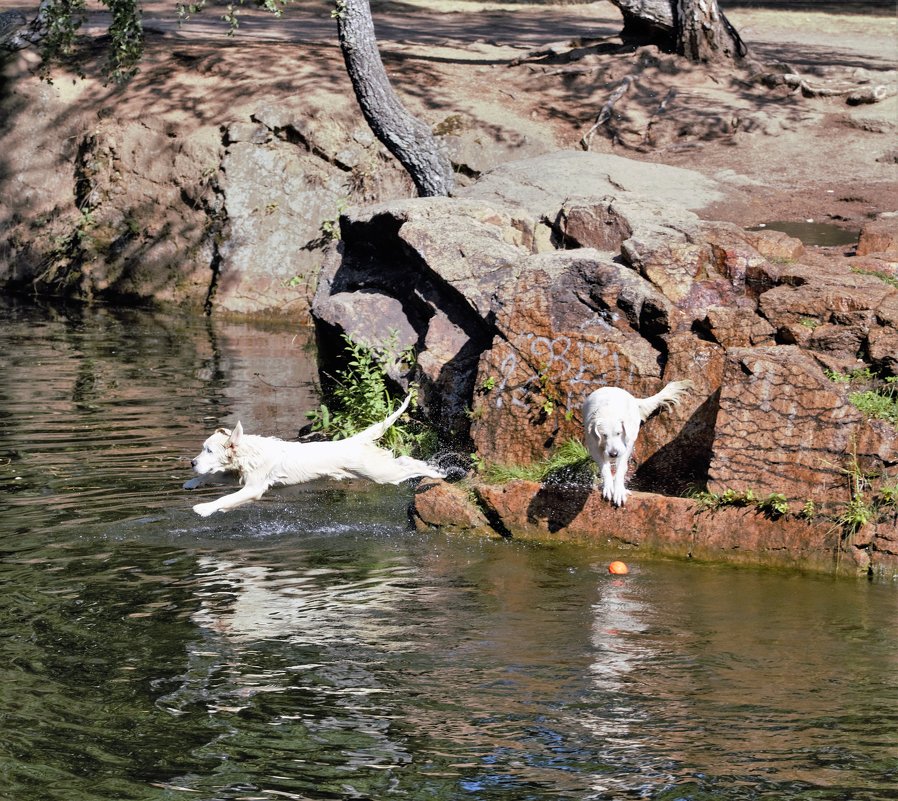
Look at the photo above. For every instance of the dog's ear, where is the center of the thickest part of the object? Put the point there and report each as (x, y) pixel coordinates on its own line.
(236, 434)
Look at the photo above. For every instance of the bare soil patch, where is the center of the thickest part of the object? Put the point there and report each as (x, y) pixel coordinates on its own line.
(535, 76)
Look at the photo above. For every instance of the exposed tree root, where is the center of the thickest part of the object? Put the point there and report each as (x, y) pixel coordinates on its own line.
(605, 114)
(855, 90)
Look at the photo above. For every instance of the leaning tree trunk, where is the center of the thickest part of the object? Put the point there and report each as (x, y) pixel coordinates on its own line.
(409, 139)
(696, 29)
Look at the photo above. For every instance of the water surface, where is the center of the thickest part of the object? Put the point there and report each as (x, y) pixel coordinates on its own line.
(814, 233)
(314, 646)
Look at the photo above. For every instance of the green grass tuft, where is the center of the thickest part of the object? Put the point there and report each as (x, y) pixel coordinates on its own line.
(570, 455)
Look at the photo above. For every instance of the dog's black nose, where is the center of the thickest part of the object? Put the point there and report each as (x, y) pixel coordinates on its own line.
(193, 462)
(612, 454)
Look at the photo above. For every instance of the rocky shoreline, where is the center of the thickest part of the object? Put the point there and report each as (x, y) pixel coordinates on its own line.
(214, 187)
(552, 276)
(656, 525)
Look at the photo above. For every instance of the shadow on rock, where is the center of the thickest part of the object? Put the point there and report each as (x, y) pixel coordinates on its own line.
(562, 496)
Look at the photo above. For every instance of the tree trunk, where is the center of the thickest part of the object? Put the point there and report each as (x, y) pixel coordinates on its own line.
(704, 33)
(696, 29)
(409, 139)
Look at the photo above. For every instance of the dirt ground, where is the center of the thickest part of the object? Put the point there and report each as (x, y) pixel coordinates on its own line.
(540, 74)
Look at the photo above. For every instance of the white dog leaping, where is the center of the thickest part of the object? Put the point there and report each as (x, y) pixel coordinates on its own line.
(263, 462)
(612, 417)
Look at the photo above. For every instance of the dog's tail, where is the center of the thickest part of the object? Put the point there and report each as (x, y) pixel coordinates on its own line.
(669, 396)
(376, 431)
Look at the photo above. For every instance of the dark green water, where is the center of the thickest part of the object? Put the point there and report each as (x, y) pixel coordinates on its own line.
(814, 233)
(313, 646)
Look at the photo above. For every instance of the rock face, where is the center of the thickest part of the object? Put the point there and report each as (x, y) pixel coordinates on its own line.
(783, 427)
(554, 276)
(880, 236)
(650, 523)
(169, 209)
(190, 188)
(523, 308)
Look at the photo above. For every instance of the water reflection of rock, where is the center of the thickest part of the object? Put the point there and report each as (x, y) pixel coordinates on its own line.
(264, 375)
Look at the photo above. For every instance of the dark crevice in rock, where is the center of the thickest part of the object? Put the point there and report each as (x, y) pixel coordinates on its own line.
(492, 516)
(375, 260)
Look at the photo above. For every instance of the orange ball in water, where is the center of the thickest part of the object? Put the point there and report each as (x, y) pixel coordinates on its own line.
(618, 569)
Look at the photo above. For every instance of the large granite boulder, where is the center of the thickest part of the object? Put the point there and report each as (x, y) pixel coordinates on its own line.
(784, 427)
(573, 321)
(520, 296)
(553, 276)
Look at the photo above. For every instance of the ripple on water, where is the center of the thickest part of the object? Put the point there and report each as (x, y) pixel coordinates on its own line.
(314, 646)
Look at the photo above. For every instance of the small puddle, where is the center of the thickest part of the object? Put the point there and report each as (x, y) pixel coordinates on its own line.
(813, 233)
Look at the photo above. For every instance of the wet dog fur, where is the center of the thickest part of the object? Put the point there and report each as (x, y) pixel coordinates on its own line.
(264, 462)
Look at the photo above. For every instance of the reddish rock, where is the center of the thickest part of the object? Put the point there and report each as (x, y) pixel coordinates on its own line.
(735, 257)
(520, 308)
(563, 333)
(743, 534)
(775, 245)
(882, 347)
(654, 524)
(811, 295)
(879, 236)
(674, 446)
(446, 505)
(784, 427)
(884, 537)
(592, 225)
(845, 341)
(671, 265)
(737, 327)
(657, 523)
(887, 311)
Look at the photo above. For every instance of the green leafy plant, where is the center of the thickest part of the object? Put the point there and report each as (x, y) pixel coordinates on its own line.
(858, 375)
(774, 505)
(888, 496)
(888, 278)
(808, 511)
(729, 497)
(856, 514)
(879, 397)
(361, 397)
(330, 227)
(69, 250)
(880, 403)
(705, 499)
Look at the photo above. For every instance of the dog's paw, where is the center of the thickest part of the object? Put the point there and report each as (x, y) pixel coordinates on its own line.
(620, 495)
(205, 509)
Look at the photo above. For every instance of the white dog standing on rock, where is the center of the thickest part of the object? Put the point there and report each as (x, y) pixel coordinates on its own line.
(263, 462)
(612, 417)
